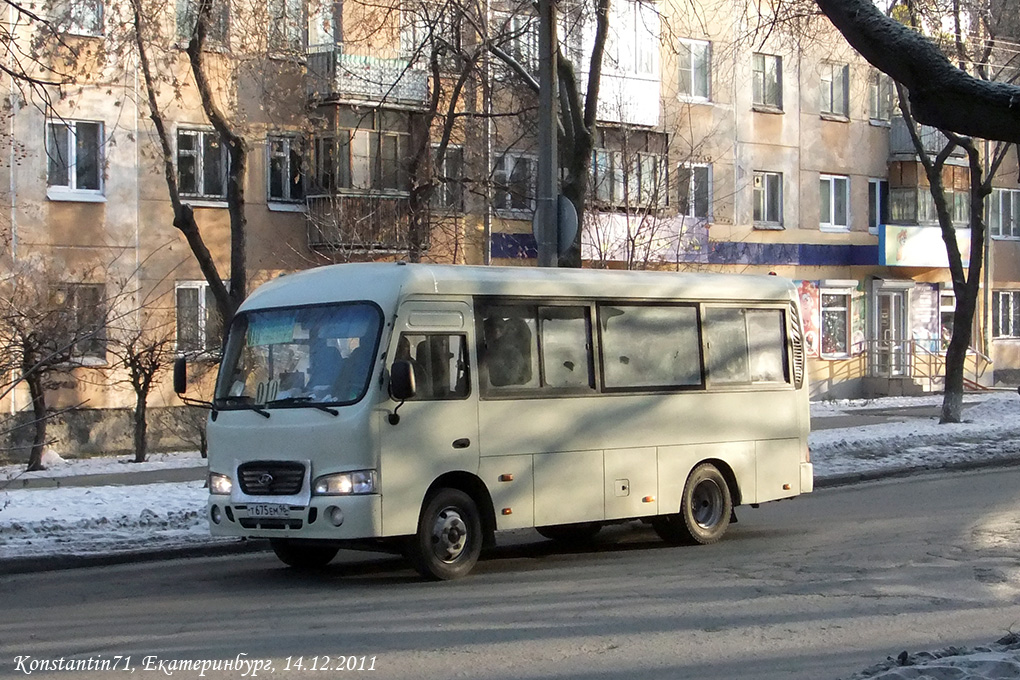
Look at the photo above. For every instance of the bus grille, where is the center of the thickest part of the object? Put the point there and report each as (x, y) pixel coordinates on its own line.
(271, 478)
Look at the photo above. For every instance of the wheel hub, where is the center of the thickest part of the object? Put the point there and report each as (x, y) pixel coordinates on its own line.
(449, 535)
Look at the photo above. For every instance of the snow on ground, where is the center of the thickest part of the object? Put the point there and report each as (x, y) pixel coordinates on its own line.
(37, 521)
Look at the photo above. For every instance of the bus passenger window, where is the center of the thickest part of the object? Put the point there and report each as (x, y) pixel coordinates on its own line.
(508, 341)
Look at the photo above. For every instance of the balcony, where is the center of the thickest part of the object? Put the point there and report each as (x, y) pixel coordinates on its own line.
(358, 222)
(334, 75)
(901, 148)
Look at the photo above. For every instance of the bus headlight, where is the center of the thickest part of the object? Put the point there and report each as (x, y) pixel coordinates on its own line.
(220, 484)
(345, 483)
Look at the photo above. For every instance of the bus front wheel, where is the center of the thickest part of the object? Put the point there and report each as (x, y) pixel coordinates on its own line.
(303, 555)
(449, 537)
(705, 510)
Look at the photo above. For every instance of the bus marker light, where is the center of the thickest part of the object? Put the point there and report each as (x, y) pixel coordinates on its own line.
(506, 478)
(648, 499)
(786, 487)
(508, 511)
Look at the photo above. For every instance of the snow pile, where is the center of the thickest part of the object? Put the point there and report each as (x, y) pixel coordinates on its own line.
(102, 519)
(918, 443)
(995, 661)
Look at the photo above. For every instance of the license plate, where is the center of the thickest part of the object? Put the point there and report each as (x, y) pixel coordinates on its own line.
(268, 510)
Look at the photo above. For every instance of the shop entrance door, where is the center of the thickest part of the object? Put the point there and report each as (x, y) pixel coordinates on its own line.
(891, 351)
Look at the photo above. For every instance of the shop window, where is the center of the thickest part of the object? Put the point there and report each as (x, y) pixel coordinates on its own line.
(835, 324)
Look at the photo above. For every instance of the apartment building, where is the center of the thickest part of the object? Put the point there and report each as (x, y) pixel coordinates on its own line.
(407, 131)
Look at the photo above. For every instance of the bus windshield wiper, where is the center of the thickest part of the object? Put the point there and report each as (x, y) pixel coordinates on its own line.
(245, 400)
(306, 401)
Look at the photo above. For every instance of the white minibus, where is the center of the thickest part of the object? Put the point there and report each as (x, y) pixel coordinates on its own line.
(422, 408)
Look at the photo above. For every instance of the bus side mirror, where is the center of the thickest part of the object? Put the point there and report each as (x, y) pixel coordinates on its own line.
(180, 375)
(402, 384)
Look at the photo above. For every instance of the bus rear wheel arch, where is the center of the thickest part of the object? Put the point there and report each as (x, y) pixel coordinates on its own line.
(449, 538)
(705, 509)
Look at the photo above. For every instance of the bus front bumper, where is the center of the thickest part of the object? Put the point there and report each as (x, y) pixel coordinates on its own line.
(325, 517)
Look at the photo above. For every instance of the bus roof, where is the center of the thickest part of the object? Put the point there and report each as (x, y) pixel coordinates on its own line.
(386, 282)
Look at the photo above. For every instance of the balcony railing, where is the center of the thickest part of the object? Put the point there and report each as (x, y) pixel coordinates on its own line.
(333, 74)
(360, 223)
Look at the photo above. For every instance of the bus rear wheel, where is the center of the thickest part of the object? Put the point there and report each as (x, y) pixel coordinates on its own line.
(303, 554)
(705, 510)
(449, 537)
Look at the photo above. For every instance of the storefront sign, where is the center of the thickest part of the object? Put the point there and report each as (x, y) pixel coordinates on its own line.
(918, 246)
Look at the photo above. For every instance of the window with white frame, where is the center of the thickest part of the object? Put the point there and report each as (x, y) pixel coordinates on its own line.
(286, 179)
(201, 164)
(448, 175)
(835, 93)
(834, 202)
(767, 80)
(880, 97)
(286, 25)
(82, 329)
(74, 151)
(1006, 314)
(629, 180)
(217, 27)
(695, 67)
(199, 324)
(695, 184)
(1004, 213)
(878, 203)
(768, 199)
(519, 38)
(513, 181)
(835, 331)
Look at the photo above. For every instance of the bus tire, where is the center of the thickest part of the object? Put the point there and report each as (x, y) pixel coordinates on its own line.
(303, 555)
(571, 534)
(705, 510)
(449, 537)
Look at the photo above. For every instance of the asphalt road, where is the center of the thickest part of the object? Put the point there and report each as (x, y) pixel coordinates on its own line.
(813, 588)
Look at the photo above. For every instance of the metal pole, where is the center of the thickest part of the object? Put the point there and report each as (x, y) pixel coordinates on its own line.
(546, 227)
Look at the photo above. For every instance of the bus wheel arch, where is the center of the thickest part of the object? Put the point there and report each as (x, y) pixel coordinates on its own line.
(706, 506)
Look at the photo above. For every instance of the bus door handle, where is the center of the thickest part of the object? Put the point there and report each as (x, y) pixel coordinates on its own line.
(462, 443)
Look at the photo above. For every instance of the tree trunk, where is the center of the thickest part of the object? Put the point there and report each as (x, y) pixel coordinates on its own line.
(141, 427)
(38, 395)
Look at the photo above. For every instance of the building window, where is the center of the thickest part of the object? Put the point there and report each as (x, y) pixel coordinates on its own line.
(834, 201)
(878, 204)
(286, 182)
(1006, 314)
(216, 28)
(834, 89)
(448, 175)
(386, 161)
(695, 184)
(331, 163)
(79, 17)
(201, 164)
(629, 180)
(947, 314)
(767, 88)
(835, 323)
(1004, 213)
(74, 156)
(519, 38)
(695, 68)
(768, 199)
(880, 99)
(82, 329)
(286, 25)
(199, 325)
(514, 183)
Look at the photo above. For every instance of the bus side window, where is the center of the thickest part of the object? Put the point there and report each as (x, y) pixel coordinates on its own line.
(508, 339)
(440, 364)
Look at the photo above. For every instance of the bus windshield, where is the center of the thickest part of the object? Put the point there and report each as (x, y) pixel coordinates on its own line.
(299, 356)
